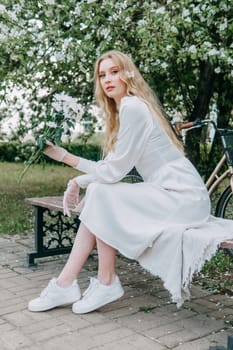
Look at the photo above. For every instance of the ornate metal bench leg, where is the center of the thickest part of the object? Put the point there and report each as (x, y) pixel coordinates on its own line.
(229, 345)
(230, 342)
(38, 235)
(53, 233)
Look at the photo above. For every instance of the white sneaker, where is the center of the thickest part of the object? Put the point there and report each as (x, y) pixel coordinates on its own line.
(97, 295)
(54, 295)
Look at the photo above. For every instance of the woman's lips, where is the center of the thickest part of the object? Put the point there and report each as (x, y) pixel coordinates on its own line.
(109, 88)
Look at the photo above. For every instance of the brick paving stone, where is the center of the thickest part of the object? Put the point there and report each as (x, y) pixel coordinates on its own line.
(14, 340)
(136, 342)
(5, 326)
(208, 303)
(223, 299)
(191, 329)
(109, 337)
(3, 346)
(39, 326)
(77, 322)
(222, 312)
(200, 309)
(204, 343)
(21, 318)
(86, 341)
(5, 295)
(93, 318)
(54, 331)
(197, 292)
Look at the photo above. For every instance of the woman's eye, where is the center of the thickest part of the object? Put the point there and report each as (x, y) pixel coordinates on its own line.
(101, 76)
(114, 71)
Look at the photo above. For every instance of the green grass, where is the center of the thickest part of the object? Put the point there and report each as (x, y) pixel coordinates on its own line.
(217, 274)
(16, 215)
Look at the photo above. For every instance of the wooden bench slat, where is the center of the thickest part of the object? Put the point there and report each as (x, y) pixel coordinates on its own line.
(52, 203)
(227, 244)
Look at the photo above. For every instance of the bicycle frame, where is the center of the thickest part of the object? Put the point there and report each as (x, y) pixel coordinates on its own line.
(215, 179)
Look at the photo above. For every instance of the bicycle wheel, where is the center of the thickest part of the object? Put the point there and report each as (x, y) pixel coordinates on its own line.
(224, 208)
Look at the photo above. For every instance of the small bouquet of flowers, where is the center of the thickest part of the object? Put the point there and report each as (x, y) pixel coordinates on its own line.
(65, 113)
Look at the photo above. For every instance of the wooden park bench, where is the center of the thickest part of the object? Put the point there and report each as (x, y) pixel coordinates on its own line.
(54, 232)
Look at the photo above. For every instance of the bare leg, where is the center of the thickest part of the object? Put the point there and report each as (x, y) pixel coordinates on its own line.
(106, 288)
(83, 245)
(107, 262)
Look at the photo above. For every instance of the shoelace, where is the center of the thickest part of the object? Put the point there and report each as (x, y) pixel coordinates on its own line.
(46, 289)
(93, 283)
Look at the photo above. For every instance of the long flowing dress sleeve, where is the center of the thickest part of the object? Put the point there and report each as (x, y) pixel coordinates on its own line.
(135, 128)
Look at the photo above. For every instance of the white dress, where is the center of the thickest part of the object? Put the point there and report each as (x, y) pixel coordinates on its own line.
(164, 222)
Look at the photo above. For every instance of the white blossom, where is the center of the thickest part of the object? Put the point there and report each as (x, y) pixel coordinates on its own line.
(174, 30)
(185, 13)
(192, 49)
(188, 19)
(77, 10)
(164, 65)
(196, 10)
(39, 75)
(213, 52)
(161, 10)
(130, 74)
(51, 124)
(105, 32)
(207, 44)
(66, 43)
(2, 9)
(35, 24)
(222, 53)
(142, 22)
(83, 26)
(217, 70)
(168, 47)
(223, 26)
(29, 138)
(50, 2)
(68, 105)
(30, 53)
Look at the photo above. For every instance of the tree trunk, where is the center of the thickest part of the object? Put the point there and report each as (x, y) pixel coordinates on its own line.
(201, 108)
(205, 91)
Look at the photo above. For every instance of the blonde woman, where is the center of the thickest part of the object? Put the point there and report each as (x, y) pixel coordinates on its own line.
(153, 221)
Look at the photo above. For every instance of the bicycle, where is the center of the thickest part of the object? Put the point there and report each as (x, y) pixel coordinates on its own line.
(222, 171)
(224, 206)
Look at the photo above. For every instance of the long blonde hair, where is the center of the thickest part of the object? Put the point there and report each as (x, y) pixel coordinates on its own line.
(136, 86)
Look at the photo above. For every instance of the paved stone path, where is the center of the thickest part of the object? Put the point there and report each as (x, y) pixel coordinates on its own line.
(143, 319)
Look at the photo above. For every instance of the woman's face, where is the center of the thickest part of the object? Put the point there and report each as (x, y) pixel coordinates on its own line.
(112, 85)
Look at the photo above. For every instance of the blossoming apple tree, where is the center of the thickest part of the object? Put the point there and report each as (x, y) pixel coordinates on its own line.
(48, 49)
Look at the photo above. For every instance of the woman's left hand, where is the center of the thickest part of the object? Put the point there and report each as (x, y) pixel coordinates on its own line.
(55, 152)
(71, 196)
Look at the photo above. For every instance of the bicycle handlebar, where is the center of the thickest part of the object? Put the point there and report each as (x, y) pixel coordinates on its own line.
(197, 124)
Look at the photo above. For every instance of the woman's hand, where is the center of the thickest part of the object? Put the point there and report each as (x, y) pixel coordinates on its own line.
(55, 152)
(71, 196)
